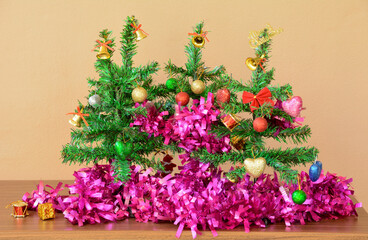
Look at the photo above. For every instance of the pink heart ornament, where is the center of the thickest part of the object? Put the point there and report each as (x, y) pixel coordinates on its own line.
(293, 106)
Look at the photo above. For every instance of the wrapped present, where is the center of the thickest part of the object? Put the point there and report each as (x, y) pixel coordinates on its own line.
(46, 211)
(19, 209)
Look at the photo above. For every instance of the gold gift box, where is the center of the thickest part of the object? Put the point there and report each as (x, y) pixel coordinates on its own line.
(46, 211)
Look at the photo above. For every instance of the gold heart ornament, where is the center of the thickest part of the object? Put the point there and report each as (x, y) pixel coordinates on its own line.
(255, 167)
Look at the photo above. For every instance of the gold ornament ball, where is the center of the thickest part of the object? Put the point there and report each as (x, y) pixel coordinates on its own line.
(139, 94)
(198, 86)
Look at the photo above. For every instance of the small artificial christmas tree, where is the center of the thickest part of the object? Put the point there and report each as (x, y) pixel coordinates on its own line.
(277, 119)
(106, 133)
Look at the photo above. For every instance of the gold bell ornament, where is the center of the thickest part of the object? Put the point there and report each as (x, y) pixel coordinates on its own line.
(103, 53)
(252, 63)
(76, 121)
(139, 33)
(198, 40)
(78, 117)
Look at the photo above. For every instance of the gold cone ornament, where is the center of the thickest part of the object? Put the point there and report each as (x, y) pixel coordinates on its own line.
(103, 53)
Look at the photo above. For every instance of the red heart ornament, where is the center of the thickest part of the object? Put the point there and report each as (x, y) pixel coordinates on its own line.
(293, 106)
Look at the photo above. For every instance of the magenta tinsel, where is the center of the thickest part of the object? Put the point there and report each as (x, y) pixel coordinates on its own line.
(189, 127)
(197, 197)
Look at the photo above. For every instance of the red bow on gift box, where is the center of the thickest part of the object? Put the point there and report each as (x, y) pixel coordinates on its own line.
(257, 100)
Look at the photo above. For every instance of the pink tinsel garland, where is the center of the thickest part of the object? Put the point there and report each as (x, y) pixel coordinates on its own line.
(196, 197)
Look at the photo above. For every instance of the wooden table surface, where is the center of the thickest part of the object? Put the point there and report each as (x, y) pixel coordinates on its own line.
(32, 227)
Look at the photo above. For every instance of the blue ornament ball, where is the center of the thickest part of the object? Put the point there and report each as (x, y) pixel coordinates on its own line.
(315, 171)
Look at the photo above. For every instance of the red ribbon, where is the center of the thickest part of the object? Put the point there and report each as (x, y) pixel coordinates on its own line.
(257, 100)
(138, 28)
(103, 44)
(203, 34)
(260, 64)
(79, 113)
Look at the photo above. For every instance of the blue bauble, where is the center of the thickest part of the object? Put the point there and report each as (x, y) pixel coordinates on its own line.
(315, 171)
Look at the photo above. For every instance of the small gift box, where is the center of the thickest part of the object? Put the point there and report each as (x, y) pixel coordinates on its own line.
(46, 211)
(19, 209)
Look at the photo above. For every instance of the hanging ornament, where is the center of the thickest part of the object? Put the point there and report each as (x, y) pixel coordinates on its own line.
(315, 171)
(260, 124)
(230, 121)
(171, 83)
(257, 38)
(182, 98)
(293, 106)
(19, 209)
(257, 100)
(139, 94)
(232, 177)
(103, 53)
(79, 116)
(255, 166)
(123, 149)
(253, 63)
(198, 86)
(94, 100)
(223, 96)
(237, 142)
(299, 196)
(198, 40)
(139, 33)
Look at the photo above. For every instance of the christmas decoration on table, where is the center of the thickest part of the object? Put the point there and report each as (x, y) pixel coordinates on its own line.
(121, 87)
(231, 121)
(199, 39)
(171, 83)
(299, 196)
(46, 211)
(19, 209)
(79, 116)
(200, 194)
(260, 124)
(94, 100)
(258, 38)
(223, 96)
(315, 171)
(159, 199)
(263, 96)
(253, 63)
(182, 98)
(139, 33)
(139, 94)
(105, 47)
(198, 86)
(237, 142)
(293, 106)
(255, 166)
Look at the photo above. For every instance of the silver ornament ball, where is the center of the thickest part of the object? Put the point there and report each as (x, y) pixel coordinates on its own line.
(94, 100)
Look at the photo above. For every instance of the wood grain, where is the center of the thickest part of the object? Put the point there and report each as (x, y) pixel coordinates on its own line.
(32, 227)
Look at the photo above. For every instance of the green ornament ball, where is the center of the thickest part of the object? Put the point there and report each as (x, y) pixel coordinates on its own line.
(299, 196)
(123, 148)
(171, 84)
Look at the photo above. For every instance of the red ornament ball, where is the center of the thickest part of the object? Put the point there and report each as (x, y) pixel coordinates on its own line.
(223, 96)
(260, 124)
(183, 98)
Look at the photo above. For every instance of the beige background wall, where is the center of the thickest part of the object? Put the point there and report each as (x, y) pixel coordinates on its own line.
(46, 57)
